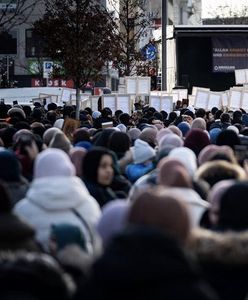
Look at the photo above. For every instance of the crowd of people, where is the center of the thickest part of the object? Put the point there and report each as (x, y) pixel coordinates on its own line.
(153, 207)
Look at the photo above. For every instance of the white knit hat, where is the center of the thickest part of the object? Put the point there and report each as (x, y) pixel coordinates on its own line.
(233, 128)
(122, 127)
(142, 152)
(96, 114)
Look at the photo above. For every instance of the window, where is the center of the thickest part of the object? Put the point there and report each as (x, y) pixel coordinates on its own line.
(34, 44)
(8, 42)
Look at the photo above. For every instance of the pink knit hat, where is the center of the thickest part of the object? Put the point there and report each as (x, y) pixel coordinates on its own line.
(113, 219)
(53, 162)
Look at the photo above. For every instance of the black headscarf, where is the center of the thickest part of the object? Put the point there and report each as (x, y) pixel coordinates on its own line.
(92, 161)
(233, 212)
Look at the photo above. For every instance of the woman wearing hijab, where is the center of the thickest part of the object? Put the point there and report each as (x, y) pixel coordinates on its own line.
(223, 252)
(57, 195)
(98, 174)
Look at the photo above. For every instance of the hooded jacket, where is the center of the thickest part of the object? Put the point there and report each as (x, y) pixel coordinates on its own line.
(223, 257)
(51, 200)
(196, 205)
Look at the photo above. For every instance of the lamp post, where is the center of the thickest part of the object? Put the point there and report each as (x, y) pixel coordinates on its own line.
(78, 96)
(164, 47)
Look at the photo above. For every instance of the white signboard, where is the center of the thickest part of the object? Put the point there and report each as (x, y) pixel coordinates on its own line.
(175, 96)
(245, 100)
(167, 103)
(155, 101)
(195, 89)
(109, 101)
(131, 85)
(123, 103)
(143, 85)
(201, 99)
(191, 100)
(235, 99)
(121, 89)
(66, 95)
(214, 100)
(182, 93)
(240, 76)
(225, 99)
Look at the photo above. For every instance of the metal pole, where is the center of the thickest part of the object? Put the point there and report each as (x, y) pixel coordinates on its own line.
(7, 66)
(164, 48)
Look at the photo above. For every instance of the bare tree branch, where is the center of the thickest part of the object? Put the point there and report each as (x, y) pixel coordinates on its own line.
(15, 13)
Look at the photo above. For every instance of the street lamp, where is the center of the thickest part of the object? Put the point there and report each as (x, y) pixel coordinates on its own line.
(164, 47)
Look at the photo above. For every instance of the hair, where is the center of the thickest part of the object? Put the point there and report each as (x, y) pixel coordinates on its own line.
(225, 118)
(218, 114)
(124, 118)
(92, 161)
(200, 113)
(80, 134)
(119, 142)
(70, 125)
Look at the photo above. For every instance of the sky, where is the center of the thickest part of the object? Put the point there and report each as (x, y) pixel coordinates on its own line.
(210, 7)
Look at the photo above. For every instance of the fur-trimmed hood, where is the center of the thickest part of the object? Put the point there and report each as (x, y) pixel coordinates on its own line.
(229, 248)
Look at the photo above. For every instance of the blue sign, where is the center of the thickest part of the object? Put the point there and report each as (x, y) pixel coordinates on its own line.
(149, 52)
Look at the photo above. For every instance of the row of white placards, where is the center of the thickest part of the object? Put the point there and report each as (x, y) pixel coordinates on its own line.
(125, 102)
(234, 98)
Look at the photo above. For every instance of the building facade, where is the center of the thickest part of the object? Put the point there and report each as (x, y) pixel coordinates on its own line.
(19, 50)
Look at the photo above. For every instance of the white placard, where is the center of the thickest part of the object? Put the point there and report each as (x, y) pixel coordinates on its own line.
(53, 98)
(225, 99)
(167, 103)
(191, 100)
(201, 99)
(183, 94)
(94, 102)
(65, 96)
(235, 99)
(246, 75)
(214, 100)
(83, 96)
(175, 96)
(240, 76)
(109, 101)
(131, 85)
(245, 100)
(196, 88)
(123, 103)
(143, 85)
(85, 101)
(121, 89)
(155, 101)
(156, 93)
